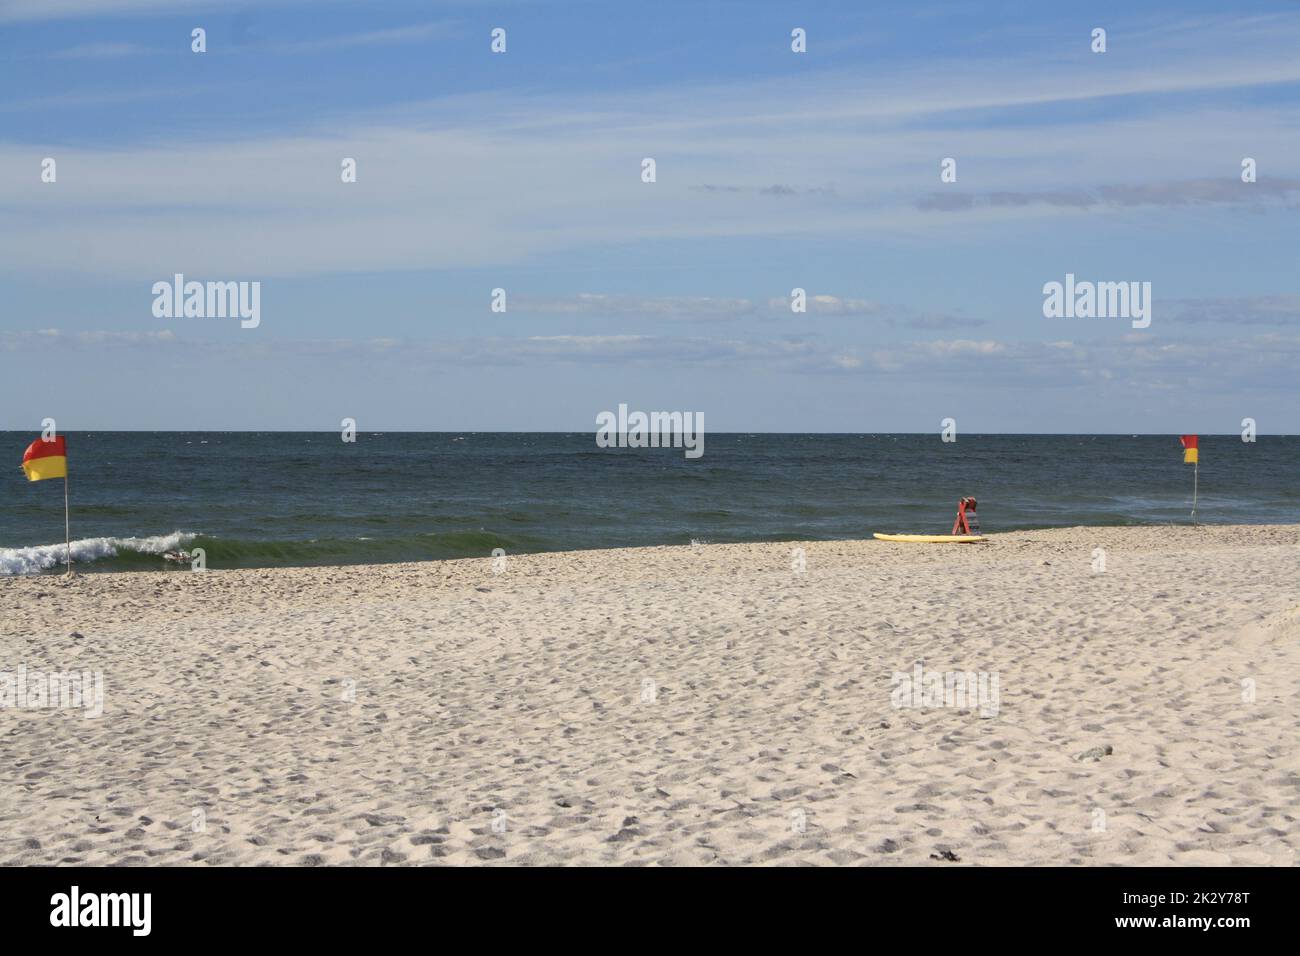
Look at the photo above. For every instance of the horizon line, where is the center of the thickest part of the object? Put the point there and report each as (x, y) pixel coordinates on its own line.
(560, 431)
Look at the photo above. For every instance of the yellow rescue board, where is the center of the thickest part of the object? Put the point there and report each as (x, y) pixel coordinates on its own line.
(932, 538)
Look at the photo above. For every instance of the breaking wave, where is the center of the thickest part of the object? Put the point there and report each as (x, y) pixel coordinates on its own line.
(144, 553)
(42, 557)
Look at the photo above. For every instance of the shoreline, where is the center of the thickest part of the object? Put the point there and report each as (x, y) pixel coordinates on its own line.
(89, 568)
(675, 705)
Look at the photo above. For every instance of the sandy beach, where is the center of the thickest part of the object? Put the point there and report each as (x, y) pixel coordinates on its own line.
(676, 705)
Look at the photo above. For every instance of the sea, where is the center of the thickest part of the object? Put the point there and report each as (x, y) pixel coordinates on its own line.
(273, 499)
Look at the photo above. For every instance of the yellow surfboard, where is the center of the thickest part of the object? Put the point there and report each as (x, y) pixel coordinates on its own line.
(931, 538)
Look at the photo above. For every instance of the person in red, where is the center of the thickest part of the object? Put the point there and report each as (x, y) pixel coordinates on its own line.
(966, 518)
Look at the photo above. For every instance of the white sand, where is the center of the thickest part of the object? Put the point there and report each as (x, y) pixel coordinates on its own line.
(520, 699)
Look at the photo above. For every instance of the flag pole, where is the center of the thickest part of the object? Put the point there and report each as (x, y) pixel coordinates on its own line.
(67, 526)
(1196, 475)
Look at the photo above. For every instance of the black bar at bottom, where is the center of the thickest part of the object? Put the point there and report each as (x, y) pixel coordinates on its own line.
(335, 905)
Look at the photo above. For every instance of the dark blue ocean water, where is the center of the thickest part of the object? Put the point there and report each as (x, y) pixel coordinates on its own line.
(270, 499)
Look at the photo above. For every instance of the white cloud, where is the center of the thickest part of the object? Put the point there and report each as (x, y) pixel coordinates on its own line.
(506, 178)
(664, 307)
(887, 313)
(100, 51)
(406, 34)
(1210, 366)
(45, 340)
(965, 347)
(20, 10)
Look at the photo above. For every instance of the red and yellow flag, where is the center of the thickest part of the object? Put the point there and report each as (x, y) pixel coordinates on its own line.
(1190, 450)
(46, 459)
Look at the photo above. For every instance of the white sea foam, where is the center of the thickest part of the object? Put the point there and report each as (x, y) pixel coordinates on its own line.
(39, 557)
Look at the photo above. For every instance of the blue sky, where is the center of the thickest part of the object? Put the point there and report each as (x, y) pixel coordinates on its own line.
(775, 170)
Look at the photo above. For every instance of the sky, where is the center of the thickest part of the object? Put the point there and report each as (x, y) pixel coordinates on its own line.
(774, 170)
